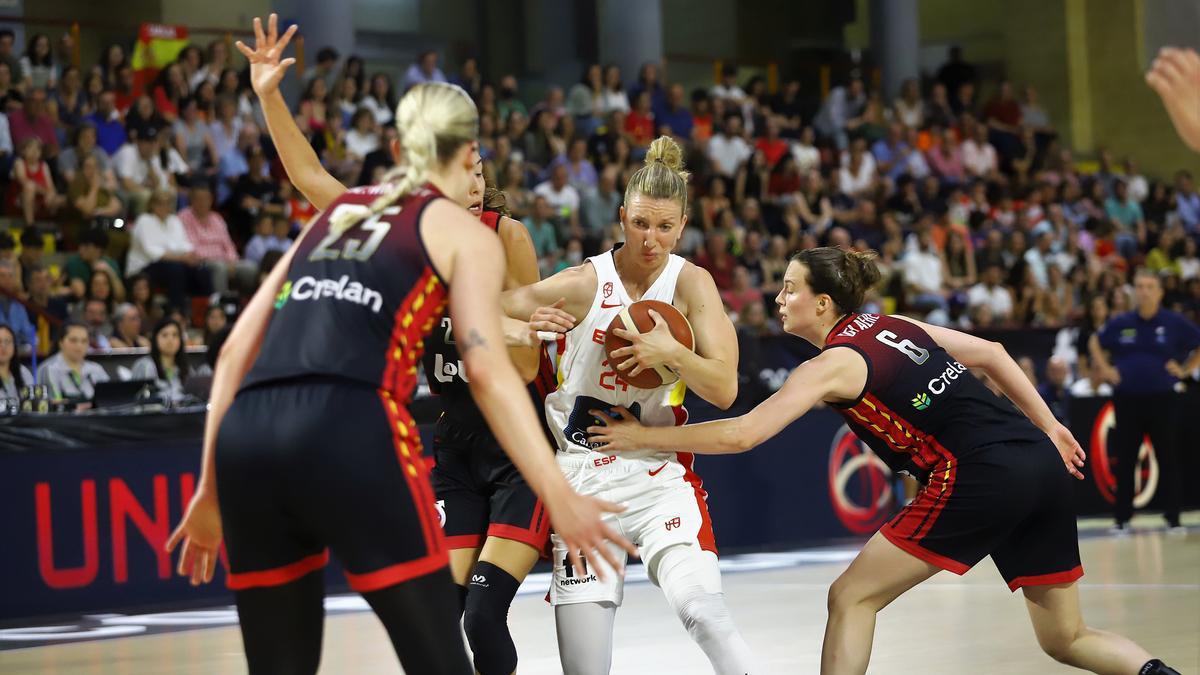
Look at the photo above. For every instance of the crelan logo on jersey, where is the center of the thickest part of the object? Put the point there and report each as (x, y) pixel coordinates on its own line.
(921, 401)
(311, 288)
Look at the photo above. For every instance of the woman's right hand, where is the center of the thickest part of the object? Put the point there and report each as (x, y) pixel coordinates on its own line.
(578, 521)
(266, 70)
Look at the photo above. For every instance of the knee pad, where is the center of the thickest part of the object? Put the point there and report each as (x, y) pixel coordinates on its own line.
(490, 593)
(691, 580)
(1157, 667)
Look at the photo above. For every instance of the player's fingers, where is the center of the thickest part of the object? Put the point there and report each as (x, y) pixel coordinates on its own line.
(1170, 71)
(658, 320)
(637, 370)
(273, 28)
(173, 540)
(612, 536)
(627, 363)
(260, 40)
(197, 572)
(602, 416)
(610, 507)
(627, 334)
(623, 413)
(286, 63)
(283, 41)
(609, 557)
(185, 558)
(620, 353)
(560, 303)
(573, 559)
(246, 51)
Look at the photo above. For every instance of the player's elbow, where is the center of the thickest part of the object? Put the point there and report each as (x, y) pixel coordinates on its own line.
(725, 397)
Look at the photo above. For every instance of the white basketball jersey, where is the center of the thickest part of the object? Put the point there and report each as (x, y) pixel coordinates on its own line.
(588, 382)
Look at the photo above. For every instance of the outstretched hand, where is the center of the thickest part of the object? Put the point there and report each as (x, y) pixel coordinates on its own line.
(578, 521)
(266, 70)
(1175, 77)
(618, 433)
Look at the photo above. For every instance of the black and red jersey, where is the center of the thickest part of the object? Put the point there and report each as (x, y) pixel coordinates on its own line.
(356, 304)
(920, 406)
(446, 375)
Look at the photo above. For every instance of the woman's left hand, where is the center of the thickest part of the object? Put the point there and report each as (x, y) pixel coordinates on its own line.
(618, 433)
(649, 350)
(1072, 454)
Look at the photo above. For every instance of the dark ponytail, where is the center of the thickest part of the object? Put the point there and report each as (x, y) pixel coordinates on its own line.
(844, 276)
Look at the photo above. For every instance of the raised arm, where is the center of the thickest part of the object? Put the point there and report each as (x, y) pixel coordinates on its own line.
(834, 375)
(303, 166)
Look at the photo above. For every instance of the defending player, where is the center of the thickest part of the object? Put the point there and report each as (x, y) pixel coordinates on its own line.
(994, 479)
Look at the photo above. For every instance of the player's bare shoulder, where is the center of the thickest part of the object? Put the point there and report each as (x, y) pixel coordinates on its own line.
(695, 289)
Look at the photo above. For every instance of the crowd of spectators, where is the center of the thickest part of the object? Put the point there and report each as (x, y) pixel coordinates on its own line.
(171, 197)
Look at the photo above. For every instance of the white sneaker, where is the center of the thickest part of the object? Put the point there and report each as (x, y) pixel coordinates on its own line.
(1120, 530)
(1177, 531)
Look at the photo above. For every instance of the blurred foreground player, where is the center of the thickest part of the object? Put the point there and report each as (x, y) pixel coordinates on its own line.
(495, 525)
(1175, 76)
(994, 479)
(318, 450)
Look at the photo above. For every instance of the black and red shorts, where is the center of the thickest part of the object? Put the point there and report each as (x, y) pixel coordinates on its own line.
(320, 465)
(480, 493)
(1012, 501)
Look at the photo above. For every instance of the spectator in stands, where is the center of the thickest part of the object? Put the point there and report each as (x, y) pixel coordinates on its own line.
(12, 312)
(1002, 115)
(37, 65)
(1187, 202)
(891, 153)
(68, 374)
(1092, 383)
(561, 196)
(33, 121)
(87, 258)
(110, 131)
(85, 145)
(674, 118)
(924, 284)
(325, 70)
(510, 101)
(581, 173)
(70, 103)
(47, 312)
(717, 260)
(216, 57)
(209, 236)
(469, 77)
(362, 139)
(142, 117)
(424, 70)
(167, 363)
(161, 249)
(33, 191)
(127, 327)
(1055, 390)
(1126, 213)
(226, 130)
(639, 123)
(599, 206)
(910, 109)
(741, 293)
(585, 100)
(727, 89)
(770, 143)
(312, 105)
(215, 323)
(91, 196)
(381, 99)
(728, 149)
(978, 155)
(270, 234)
(11, 97)
(254, 193)
(844, 103)
(858, 174)
(32, 250)
(1034, 116)
(13, 375)
(1039, 257)
(141, 171)
(95, 317)
(541, 228)
(7, 57)
(140, 296)
(194, 140)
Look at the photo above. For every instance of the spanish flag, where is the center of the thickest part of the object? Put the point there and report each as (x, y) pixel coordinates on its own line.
(156, 48)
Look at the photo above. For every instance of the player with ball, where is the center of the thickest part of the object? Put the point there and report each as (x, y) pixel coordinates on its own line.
(627, 316)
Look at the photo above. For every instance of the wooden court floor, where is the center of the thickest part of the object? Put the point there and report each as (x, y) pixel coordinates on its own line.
(1146, 586)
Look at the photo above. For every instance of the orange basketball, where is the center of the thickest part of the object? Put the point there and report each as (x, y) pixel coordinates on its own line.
(639, 314)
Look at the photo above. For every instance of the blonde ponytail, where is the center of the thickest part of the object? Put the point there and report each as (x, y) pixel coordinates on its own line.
(434, 120)
(663, 176)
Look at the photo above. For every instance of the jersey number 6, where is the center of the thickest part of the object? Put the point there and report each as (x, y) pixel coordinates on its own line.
(905, 346)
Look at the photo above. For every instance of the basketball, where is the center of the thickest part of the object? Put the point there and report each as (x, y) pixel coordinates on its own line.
(639, 315)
